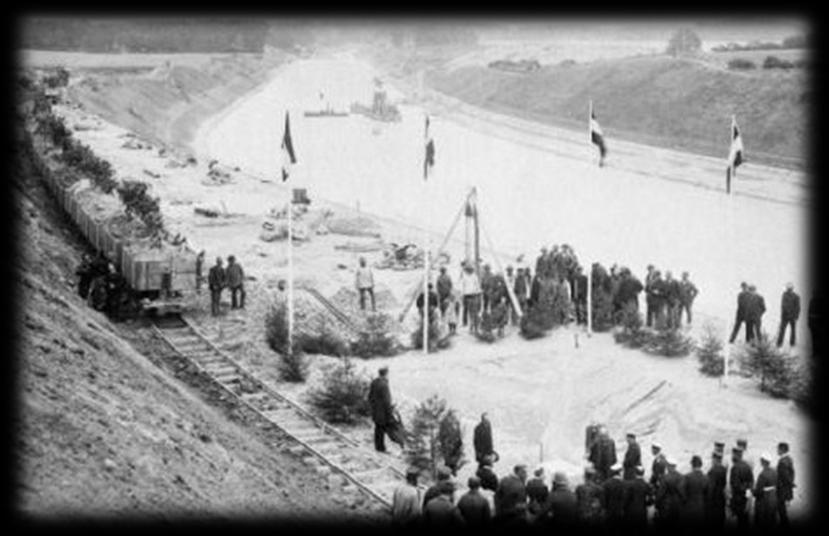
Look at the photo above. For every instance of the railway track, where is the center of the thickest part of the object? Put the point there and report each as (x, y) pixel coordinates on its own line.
(360, 469)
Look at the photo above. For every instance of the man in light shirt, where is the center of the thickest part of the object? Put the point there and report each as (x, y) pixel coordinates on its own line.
(364, 281)
(470, 288)
(405, 507)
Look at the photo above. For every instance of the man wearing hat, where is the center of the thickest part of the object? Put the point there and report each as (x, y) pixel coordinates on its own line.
(473, 506)
(785, 482)
(489, 480)
(537, 491)
(742, 444)
(560, 509)
(482, 439)
(638, 496)
(741, 479)
(633, 458)
(670, 496)
(511, 496)
(789, 313)
(742, 305)
(590, 499)
(405, 507)
(695, 489)
(440, 511)
(658, 467)
(715, 501)
(444, 474)
(603, 454)
(765, 494)
(614, 497)
(379, 399)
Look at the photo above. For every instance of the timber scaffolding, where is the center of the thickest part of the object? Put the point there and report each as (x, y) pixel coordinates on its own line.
(345, 462)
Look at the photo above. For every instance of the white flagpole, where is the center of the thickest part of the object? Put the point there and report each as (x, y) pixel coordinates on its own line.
(290, 273)
(426, 257)
(589, 268)
(730, 223)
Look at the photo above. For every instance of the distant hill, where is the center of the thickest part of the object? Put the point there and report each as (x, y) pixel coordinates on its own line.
(685, 103)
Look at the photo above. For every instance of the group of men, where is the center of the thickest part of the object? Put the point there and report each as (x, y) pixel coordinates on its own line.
(219, 278)
(101, 285)
(614, 494)
(750, 309)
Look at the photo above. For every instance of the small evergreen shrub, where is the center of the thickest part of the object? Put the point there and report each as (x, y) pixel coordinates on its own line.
(450, 439)
(802, 385)
(710, 353)
(532, 324)
(434, 438)
(741, 64)
(343, 395)
(324, 341)
(670, 342)
(632, 333)
(377, 339)
(435, 340)
(773, 62)
(292, 365)
(774, 368)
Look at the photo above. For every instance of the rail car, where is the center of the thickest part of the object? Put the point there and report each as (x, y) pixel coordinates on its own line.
(161, 281)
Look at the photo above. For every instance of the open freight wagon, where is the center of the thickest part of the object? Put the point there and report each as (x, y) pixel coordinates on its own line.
(161, 279)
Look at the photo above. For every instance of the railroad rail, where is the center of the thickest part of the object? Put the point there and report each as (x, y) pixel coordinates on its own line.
(325, 446)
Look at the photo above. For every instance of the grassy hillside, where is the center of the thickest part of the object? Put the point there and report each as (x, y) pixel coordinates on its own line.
(659, 100)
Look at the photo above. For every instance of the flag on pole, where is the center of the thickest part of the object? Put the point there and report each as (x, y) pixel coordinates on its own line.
(735, 153)
(288, 157)
(429, 158)
(596, 136)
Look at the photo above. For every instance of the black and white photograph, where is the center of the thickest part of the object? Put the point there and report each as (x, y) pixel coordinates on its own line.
(416, 271)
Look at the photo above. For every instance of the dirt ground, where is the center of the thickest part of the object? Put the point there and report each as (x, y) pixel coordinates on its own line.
(540, 394)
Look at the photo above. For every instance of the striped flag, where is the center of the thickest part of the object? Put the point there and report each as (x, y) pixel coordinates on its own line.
(288, 157)
(429, 158)
(597, 137)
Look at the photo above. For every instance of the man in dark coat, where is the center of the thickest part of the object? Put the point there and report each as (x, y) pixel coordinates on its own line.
(740, 317)
(765, 495)
(117, 293)
(789, 313)
(629, 289)
(84, 273)
(638, 496)
(741, 480)
(541, 263)
(603, 454)
(670, 496)
(560, 508)
(379, 399)
(590, 499)
(755, 308)
(489, 480)
(580, 295)
(235, 282)
(695, 489)
(653, 297)
(688, 292)
(216, 281)
(433, 303)
(511, 496)
(439, 512)
(444, 474)
(673, 299)
(658, 467)
(614, 494)
(785, 482)
(633, 458)
(487, 287)
(473, 506)
(444, 289)
(483, 438)
(715, 501)
(537, 491)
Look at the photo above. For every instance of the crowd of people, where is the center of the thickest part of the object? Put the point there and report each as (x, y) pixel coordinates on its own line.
(613, 493)
(100, 283)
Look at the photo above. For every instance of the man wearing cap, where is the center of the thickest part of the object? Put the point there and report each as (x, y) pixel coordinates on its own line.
(742, 444)
(511, 495)
(236, 283)
(670, 495)
(741, 480)
(715, 500)
(473, 506)
(614, 497)
(216, 281)
(638, 496)
(765, 494)
(688, 292)
(560, 509)
(740, 318)
(537, 491)
(405, 507)
(489, 480)
(379, 399)
(633, 458)
(440, 512)
(785, 482)
(789, 313)
(482, 440)
(695, 489)
(444, 474)
(658, 467)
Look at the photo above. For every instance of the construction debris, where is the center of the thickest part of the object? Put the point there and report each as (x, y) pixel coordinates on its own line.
(358, 247)
(217, 175)
(356, 226)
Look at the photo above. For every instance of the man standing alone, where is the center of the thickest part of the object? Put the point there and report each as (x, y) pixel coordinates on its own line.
(236, 283)
(364, 281)
(216, 280)
(688, 291)
(483, 439)
(379, 398)
(789, 313)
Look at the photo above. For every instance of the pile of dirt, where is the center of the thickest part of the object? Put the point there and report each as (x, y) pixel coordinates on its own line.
(354, 226)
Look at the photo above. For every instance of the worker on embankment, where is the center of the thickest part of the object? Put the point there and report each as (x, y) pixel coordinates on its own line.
(236, 282)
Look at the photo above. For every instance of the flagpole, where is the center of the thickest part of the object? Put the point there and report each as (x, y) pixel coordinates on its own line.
(589, 299)
(290, 272)
(426, 251)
